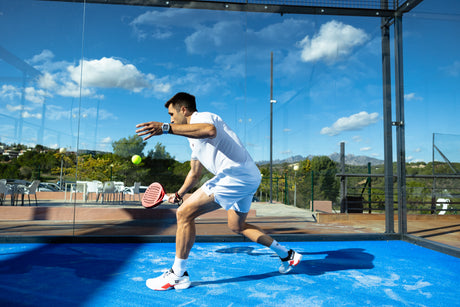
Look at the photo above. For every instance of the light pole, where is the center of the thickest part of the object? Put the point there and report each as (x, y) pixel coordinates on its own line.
(62, 151)
(296, 168)
(272, 101)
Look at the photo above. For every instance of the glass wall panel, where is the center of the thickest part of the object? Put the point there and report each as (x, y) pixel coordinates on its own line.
(77, 78)
(432, 69)
(39, 111)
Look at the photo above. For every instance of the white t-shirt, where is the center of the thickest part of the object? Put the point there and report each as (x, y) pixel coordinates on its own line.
(224, 154)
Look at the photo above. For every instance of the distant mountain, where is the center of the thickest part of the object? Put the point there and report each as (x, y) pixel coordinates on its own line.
(350, 159)
(289, 160)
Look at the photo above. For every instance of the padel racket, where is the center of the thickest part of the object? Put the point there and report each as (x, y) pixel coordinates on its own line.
(154, 195)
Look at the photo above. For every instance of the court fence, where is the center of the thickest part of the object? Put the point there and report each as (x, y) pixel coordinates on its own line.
(364, 193)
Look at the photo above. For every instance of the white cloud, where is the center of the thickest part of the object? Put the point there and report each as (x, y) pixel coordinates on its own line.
(56, 113)
(365, 148)
(109, 73)
(199, 80)
(36, 95)
(13, 108)
(26, 114)
(30, 93)
(334, 41)
(106, 140)
(222, 36)
(47, 81)
(45, 56)
(10, 92)
(113, 73)
(411, 96)
(24, 110)
(70, 89)
(354, 122)
(159, 23)
(163, 18)
(452, 70)
(62, 79)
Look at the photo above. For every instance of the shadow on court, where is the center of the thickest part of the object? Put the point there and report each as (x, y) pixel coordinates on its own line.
(338, 260)
(59, 274)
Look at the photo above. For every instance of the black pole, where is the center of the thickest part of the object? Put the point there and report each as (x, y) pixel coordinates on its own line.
(271, 127)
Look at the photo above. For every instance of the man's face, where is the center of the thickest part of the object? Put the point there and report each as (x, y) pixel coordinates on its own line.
(177, 115)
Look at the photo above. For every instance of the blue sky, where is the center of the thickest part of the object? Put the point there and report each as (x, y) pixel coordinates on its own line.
(327, 76)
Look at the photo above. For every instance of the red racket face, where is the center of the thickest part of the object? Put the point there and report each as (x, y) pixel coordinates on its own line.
(153, 196)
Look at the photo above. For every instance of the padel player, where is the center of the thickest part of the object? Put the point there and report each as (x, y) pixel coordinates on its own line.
(236, 178)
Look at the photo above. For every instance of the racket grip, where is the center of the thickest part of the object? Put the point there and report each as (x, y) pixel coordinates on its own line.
(165, 198)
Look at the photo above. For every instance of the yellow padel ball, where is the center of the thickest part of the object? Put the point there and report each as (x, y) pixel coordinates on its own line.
(136, 159)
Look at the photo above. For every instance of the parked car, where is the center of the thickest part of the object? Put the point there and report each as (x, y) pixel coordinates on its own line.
(64, 185)
(130, 190)
(48, 187)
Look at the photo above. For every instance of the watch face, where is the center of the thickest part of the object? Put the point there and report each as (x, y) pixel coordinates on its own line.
(165, 128)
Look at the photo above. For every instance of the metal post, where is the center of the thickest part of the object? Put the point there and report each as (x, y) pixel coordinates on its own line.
(286, 190)
(277, 188)
(312, 192)
(62, 151)
(296, 167)
(369, 188)
(343, 180)
(433, 189)
(387, 128)
(271, 127)
(400, 127)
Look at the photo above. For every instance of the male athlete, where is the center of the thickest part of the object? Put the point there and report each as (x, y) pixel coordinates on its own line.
(236, 178)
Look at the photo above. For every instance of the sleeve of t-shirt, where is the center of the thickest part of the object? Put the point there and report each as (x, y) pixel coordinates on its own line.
(202, 118)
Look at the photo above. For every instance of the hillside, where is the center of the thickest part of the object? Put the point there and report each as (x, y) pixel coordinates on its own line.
(350, 159)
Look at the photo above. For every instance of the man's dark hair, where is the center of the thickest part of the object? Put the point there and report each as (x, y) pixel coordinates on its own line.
(182, 99)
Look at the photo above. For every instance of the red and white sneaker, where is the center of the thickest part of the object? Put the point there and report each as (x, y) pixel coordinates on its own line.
(169, 280)
(288, 263)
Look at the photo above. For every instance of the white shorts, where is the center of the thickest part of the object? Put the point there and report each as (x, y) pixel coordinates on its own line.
(232, 193)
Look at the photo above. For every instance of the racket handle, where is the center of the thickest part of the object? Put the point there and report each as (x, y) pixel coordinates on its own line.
(165, 198)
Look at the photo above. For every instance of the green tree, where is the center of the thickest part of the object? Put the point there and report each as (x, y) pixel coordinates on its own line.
(126, 147)
(305, 166)
(159, 152)
(324, 175)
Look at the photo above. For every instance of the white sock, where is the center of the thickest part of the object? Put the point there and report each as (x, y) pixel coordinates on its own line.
(279, 249)
(180, 266)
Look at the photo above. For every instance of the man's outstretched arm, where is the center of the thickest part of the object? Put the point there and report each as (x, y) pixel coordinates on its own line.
(195, 131)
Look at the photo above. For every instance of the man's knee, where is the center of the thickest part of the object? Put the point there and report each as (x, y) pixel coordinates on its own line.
(183, 215)
(236, 227)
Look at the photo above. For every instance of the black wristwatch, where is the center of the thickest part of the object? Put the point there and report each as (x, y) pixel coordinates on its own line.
(178, 200)
(165, 127)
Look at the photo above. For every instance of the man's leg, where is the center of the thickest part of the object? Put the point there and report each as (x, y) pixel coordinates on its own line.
(197, 204)
(237, 223)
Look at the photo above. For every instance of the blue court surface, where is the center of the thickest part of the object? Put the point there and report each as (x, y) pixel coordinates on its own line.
(345, 273)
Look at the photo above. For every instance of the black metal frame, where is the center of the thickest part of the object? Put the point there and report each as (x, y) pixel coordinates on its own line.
(369, 8)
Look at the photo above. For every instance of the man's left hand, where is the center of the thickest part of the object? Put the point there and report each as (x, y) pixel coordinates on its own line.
(149, 129)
